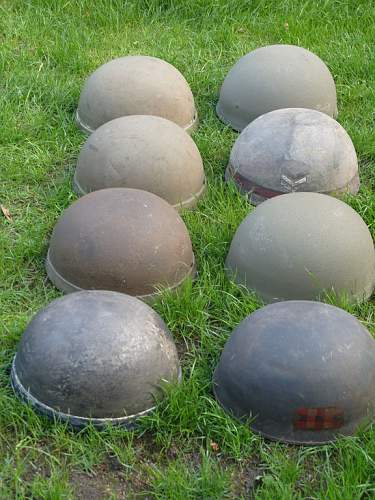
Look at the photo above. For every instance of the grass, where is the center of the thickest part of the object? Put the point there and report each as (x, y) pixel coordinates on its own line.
(188, 448)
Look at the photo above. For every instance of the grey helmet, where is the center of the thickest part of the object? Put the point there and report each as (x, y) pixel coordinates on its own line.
(95, 357)
(290, 150)
(275, 77)
(120, 239)
(136, 85)
(303, 371)
(142, 152)
(300, 245)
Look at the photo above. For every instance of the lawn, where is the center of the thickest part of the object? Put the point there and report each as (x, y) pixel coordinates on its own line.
(188, 448)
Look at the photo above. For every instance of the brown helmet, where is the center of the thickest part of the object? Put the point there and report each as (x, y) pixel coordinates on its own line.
(120, 239)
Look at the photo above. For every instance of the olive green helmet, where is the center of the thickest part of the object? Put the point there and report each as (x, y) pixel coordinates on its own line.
(136, 85)
(301, 245)
(275, 77)
(142, 152)
(291, 150)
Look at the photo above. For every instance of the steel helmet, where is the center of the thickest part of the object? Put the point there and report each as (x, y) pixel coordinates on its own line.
(298, 245)
(290, 150)
(142, 152)
(120, 239)
(304, 371)
(275, 77)
(95, 357)
(136, 85)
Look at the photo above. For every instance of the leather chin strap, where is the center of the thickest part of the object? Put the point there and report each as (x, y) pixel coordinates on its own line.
(250, 187)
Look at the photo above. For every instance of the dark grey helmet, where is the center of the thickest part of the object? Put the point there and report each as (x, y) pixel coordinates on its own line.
(298, 245)
(120, 239)
(304, 371)
(95, 356)
(275, 77)
(290, 150)
(142, 152)
(136, 85)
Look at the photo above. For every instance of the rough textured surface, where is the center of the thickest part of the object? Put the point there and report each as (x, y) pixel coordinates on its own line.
(291, 150)
(298, 245)
(142, 152)
(136, 85)
(119, 239)
(294, 356)
(275, 77)
(96, 354)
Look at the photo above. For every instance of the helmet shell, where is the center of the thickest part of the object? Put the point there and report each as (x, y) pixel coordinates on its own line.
(290, 150)
(142, 152)
(298, 245)
(275, 77)
(95, 356)
(120, 239)
(304, 371)
(136, 85)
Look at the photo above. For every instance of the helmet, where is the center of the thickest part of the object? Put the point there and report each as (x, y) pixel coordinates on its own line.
(274, 77)
(95, 357)
(298, 245)
(136, 85)
(304, 371)
(293, 150)
(144, 152)
(119, 239)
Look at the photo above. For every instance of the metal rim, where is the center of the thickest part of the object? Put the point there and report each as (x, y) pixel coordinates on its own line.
(67, 287)
(74, 420)
(186, 204)
(189, 128)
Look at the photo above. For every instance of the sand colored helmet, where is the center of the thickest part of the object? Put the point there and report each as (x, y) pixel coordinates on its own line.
(95, 357)
(142, 152)
(303, 372)
(120, 239)
(301, 245)
(291, 150)
(275, 77)
(136, 85)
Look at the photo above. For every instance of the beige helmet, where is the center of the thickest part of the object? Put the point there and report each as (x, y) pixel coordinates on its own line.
(274, 77)
(142, 152)
(300, 245)
(136, 85)
(124, 240)
(291, 150)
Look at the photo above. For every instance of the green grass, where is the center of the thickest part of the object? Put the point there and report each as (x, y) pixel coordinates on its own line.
(47, 50)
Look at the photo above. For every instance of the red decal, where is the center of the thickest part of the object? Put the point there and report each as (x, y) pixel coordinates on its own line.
(317, 419)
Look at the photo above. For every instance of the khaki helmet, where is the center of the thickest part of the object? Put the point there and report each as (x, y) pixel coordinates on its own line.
(142, 152)
(275, 77)
(303, 372)
(95, 357)
(136, 85)
(124, 240)
(302, 245)
(291, 150)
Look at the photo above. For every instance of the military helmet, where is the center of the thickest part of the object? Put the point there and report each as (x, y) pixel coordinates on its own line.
(275, 77)
(303, 371)
(95, 357)
(300, 245)
(136, 85)
(120, 239)
(142, 152)
(290, 150)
